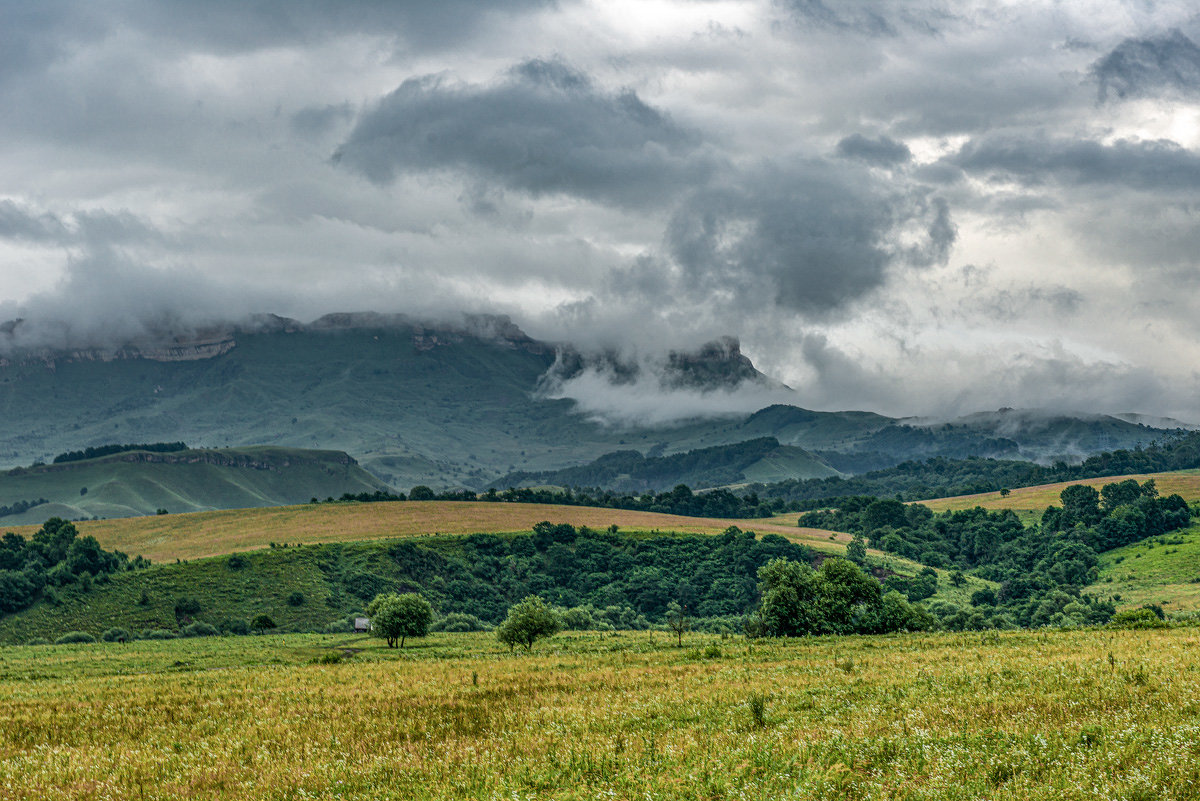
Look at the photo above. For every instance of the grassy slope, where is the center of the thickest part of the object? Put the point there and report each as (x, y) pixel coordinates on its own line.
(1036, 499)
(1021, 715)
(313, 571)
(1162, 570)
(191, 536)
(117, 487)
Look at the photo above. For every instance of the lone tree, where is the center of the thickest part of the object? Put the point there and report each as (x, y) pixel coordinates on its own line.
(527, 622)
(261, 623)
(397, 617)
(856, 551)
(678, 621)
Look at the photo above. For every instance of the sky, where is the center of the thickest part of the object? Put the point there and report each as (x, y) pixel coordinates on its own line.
(908, 207)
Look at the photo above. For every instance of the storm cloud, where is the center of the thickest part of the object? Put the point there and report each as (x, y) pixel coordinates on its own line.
(542, 128)
(1169, 63)
(907, 207)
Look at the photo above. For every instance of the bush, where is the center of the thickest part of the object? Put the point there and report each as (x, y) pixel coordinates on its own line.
(295, 599)
(527, 622)
(185, 607)
(199, 629)
(38, 641)
(116, 634)
(74, 637)
(1137, 619)
(159, 634)
(235, 626)
(237, 562)
(459, 621)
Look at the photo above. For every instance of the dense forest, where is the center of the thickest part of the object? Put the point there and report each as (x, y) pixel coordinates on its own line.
(1040, 568)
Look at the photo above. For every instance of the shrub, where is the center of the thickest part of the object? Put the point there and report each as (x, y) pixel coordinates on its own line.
(74, 637)
(295, 599)
(459, 621)
(1137, 619)
(159, 634)
(235, 626)
(38, 641)
(199, 629)
(116, 634)
(186, 607)
(237, 561)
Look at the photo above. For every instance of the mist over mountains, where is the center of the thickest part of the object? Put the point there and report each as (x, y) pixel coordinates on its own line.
(469, 402)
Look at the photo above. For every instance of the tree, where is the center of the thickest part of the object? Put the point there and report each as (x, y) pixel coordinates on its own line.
(261, 623)
(856, 551)
(678, 621)
(527, 622)
(397, 617)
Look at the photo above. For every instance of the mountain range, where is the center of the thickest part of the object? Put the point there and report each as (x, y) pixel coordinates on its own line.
(473, 403)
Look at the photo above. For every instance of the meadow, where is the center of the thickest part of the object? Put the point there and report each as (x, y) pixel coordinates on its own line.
(162, 538)
(1161, 570)
(1088, 714)
(1030, 502)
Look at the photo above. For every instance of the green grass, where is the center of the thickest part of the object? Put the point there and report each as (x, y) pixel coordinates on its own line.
(146, 599)
(1023, 715)
(1162, 570)
(187, 481)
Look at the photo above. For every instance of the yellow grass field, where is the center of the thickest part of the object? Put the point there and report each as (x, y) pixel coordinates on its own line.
(1061, 715)
(1036, 499)
(163, 538)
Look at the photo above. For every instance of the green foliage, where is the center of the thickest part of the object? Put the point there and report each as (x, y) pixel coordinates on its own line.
(295, 598)
(108, 450)
(159, 634)
(199, 629)
(458, 621)
(1142, 618)
(678, 621)
(856, 551)
(116, 634)
(397, 617)
(72, 637)
(237, 561)
(261, 623)
(527, 622)
(56, 556)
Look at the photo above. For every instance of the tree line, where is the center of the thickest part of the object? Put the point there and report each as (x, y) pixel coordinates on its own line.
(54, 557)
(109, 450)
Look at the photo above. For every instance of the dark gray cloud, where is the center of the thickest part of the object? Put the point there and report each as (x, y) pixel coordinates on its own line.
(811, 236)
(1166, 64)
(23, 224)
(1035, 160)
(882, 151)
(544, 128)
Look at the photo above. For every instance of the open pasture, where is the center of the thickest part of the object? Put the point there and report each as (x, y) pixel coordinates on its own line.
(1034, 500)
(162, 538)
(1021, 715)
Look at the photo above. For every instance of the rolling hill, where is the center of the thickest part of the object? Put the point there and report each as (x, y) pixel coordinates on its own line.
(140, 483)
(337, 556)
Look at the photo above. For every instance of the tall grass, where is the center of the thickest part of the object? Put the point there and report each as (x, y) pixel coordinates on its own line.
(1029, 715)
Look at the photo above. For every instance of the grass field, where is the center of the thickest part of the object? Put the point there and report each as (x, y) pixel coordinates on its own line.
(1034, 500)
(163, 538)
(1020, 715)
(1162, 570)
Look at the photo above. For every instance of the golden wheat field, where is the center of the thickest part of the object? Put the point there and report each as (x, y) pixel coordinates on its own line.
(1019, 715)
(1036, 499)
(162, 538)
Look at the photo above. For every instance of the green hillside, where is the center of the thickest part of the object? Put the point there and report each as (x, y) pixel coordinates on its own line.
(304, 588)
(1161, 570)
(140, 483)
